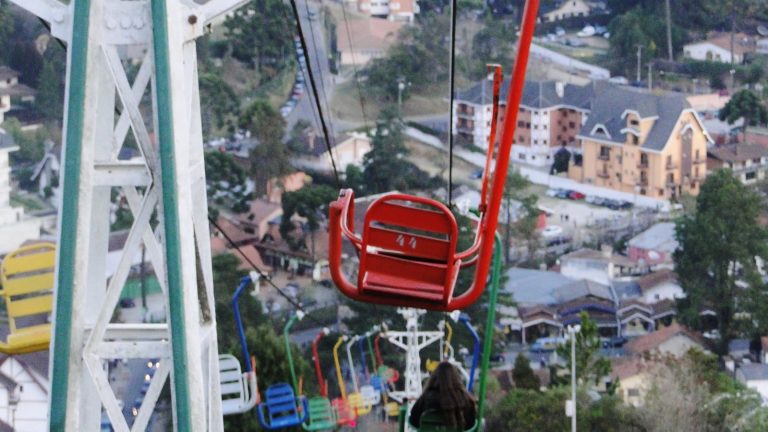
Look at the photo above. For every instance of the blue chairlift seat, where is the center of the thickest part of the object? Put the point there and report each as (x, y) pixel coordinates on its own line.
(281, 408)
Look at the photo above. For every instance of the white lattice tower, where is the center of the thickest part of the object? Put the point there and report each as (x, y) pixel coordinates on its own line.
(103, 104)
(412, 341)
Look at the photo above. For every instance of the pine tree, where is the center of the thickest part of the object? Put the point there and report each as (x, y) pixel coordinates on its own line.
(523, 375)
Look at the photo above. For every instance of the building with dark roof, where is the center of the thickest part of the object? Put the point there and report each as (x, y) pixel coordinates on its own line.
(12, 92)
(551, 114)
(641, 142)
(748, 161)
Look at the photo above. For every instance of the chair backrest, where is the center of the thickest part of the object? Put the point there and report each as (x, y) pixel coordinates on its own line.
(27, 276)
(432, 421)
(281, 404)
(232, 384)
(408, 226)
(321, 413)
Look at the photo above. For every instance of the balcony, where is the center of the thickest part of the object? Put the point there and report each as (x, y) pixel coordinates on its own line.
(465, 114)
(643, 182)
(604, 157)
(464, 129)
(603, 175)
(671, 166)
(699, 161)
(642, 165)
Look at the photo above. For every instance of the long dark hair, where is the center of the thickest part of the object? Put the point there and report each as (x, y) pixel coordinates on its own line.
(453, 395)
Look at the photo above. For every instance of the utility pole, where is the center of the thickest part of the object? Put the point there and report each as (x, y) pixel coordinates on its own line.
(572, 332)
(669, 32)
(650, 76)
(639, 61)
(400, 88)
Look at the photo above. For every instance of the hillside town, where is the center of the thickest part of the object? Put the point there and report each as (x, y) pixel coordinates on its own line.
(634, 221)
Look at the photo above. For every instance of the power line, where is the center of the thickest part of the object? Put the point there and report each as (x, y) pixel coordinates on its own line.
(315, 92)
(263, 276)
(354, 64)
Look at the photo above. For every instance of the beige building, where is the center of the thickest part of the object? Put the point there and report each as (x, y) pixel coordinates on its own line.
(640, 142)
(371, 37)
(749, 162)
(348, 149)
(567, 9)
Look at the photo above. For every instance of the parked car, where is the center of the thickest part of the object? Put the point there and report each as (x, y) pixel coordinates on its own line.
(552, 231)
(497, 358)
(625, 205)
(615, 342)
(573, 195)
(136, 405)
(546, 344)
(127, 303)
(553, 192)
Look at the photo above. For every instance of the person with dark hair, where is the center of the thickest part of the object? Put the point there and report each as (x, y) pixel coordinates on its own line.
(446, 393)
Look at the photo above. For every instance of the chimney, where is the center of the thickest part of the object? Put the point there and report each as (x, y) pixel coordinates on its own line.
(607, 250)
(560, 89)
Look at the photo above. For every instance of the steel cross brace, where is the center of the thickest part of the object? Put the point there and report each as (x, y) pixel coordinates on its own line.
(167, 183)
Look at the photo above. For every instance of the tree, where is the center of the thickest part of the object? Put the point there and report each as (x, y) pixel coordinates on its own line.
(310, 202)
(31, 144)
(259, 35)
(745, 104)
(270, 157)
(6, 29)
(523, 375)
(50, 84)
(226, 182)
(383, 164)
(218, 100)
(524, 227)
(718, 246)
(590, 366)
(419, 57)
(562, 159)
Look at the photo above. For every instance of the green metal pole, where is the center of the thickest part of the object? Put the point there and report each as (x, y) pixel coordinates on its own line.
(171, 215)
(65, 276)
(371, 355)
(287, 330)
(489, 326)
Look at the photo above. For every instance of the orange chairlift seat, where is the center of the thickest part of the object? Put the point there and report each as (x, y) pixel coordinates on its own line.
(407, 250)
(27, 277)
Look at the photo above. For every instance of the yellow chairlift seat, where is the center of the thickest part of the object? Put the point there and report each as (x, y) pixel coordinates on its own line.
(27, 277)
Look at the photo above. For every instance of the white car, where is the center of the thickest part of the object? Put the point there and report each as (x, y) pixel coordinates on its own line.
(552, 231)
(587, 32)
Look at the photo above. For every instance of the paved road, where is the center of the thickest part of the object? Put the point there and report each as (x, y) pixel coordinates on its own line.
(314, 33)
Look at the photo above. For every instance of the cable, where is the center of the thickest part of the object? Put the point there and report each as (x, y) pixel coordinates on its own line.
(319, 69)
(453, 97)
(263, 276)
(354, 65)
(314, 91)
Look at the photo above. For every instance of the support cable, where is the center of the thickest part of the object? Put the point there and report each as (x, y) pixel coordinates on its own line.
(354, 64)
(319, 69)
(314, 91)
(263, 276)
(452, 81)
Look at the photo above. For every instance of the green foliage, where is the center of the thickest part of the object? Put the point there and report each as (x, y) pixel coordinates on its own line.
(524, 229)
(6, 28)
(270, 157)
(218, 100)
(562, 159)
(259, 36)
(530, 410)
(523, 375)
(310, 202)
(355, 179)
(746, 104)
(717, 248)
(31, 144)
(50, 87)
(385, 166)
(494, 43)
(590, 366)
(420, 58)
(226, 182)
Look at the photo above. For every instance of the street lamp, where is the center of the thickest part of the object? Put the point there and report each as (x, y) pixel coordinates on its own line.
(733, 80)
(400, 88)
(570, 405)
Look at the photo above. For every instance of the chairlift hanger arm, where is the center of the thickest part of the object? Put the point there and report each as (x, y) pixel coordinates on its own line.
(464, 318)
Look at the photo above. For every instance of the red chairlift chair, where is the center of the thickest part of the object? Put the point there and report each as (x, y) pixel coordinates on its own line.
(407, 250)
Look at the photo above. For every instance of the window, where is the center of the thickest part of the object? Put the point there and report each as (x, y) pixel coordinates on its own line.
(635, 140)
(535, 142)
(521, 156)
(535, 127)
(750, 176)
(521, 139)
(572, 125)
(697, 154)
(634, 122)
(669, 161)
(605, 152)
(528, 125)
(671, 178)
(756, 161)
(520, 124)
